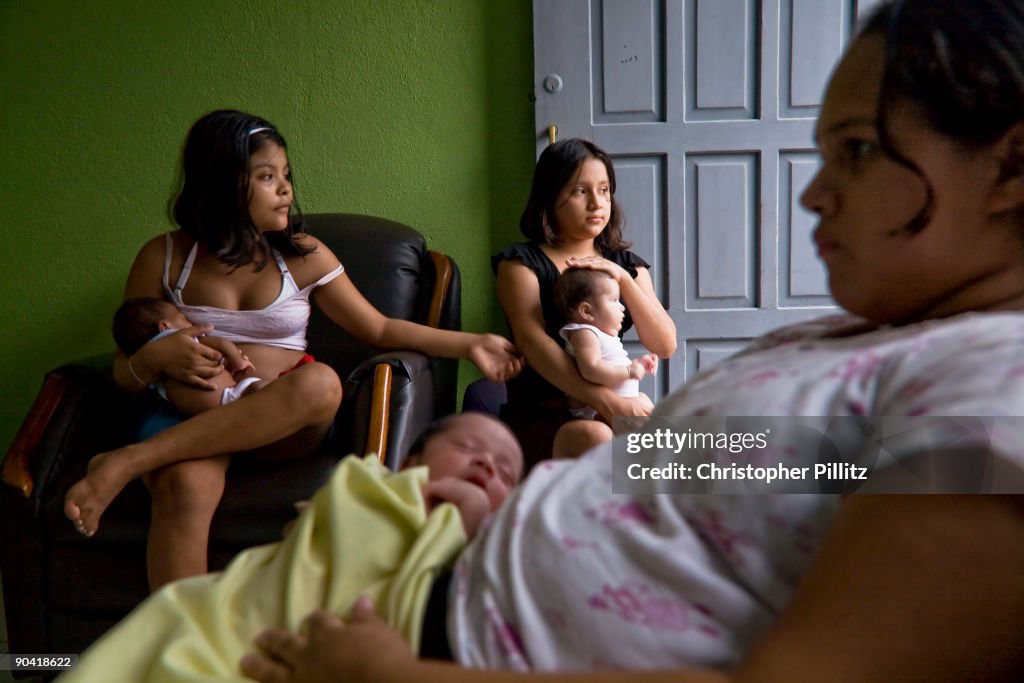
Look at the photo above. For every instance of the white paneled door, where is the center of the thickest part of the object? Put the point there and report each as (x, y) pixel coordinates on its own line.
(707, 107)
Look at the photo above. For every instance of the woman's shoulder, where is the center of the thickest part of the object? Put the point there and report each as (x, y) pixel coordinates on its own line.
(306, 241)
(993, 340)
(967, 365)
(154, 251)
(158, 242)
(310, 267)
(626, 259)
(151, 261)
(527, 253)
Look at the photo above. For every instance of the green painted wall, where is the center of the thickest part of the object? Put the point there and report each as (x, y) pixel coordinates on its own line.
(417, 110)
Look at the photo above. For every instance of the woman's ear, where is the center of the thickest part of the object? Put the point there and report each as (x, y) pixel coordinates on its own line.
(1008, 192)
(549, 230)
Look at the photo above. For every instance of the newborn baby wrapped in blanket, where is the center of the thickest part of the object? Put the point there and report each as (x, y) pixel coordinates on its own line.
(367, 532)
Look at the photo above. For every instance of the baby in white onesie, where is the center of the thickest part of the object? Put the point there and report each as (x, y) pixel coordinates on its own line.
(142, 320)
(589, 300)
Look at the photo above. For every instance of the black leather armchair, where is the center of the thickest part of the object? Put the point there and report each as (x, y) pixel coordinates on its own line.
(62, 590)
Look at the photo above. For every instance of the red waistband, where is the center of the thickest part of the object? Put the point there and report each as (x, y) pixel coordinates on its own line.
(306, 359)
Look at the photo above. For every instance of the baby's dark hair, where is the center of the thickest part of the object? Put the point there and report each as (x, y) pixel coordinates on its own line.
(212, 206)
(436, 427)
(961, 67)
(433, 429)
(558, 164)
(573, 287)
(137, 321)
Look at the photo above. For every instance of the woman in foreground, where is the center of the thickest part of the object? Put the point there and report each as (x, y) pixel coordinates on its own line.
(920, 200)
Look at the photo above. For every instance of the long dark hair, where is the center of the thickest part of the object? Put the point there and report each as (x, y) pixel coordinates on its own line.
(960, 64)
(212, 206)
(558, 164)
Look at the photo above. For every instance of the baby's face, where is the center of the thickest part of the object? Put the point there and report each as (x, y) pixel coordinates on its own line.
(606, 310)
(478, 449)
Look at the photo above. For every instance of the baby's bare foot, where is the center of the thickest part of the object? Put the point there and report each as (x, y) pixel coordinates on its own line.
(86, 501)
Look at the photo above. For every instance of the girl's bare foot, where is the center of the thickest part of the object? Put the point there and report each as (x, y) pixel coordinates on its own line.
(86, 501)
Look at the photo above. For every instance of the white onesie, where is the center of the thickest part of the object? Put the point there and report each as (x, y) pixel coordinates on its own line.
(612, 352)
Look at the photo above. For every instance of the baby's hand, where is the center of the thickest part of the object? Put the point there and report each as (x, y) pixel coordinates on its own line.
(470, 499)
(650, 363)
(244, 364)
(637, 369)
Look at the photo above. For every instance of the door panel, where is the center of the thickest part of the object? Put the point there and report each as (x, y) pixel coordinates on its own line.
(707, 107)
(722, 201)
(641, 184)
(721, 54)
(629, 70)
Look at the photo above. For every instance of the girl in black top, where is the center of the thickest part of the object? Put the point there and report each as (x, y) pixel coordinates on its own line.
(571, 219)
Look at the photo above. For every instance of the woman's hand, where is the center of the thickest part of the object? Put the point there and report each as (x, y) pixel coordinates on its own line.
(614, 406)
(331, 650)
(497, 358)
(179, 356)
(472, 501)
(597, 263)
(617, 406)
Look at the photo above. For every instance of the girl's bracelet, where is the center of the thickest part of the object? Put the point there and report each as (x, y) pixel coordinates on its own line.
(135, 374)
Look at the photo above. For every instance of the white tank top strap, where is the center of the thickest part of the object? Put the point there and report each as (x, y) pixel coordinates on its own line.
(280, 261)
(327, 277)
(168, 250)
(186, 269)
(288, 285)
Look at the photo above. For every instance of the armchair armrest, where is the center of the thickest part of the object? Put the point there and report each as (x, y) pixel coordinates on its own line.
(17, 470)
(65, 421)
(388, 401)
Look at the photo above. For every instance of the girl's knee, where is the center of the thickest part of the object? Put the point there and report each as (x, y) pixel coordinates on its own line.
(578, 436)
(588, 430)
(316, 386)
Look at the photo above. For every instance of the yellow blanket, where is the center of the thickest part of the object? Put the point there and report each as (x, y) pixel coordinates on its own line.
(365, 533)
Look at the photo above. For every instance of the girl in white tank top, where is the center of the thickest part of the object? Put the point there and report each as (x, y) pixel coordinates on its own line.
(231, 244)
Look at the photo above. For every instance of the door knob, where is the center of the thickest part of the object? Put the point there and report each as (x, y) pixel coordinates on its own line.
(552, 83)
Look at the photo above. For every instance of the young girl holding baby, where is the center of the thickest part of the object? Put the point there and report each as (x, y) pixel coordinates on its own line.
(240, 265)
(571, 220)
